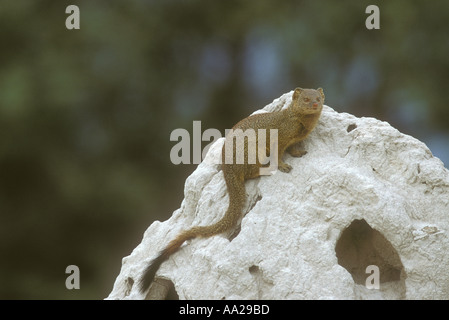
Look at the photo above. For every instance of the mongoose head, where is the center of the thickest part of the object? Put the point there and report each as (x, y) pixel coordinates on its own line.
(309, 101)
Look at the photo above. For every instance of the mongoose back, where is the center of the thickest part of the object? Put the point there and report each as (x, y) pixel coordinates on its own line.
(293, 124)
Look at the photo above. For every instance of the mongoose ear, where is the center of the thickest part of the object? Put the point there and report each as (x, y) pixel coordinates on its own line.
(320, 90)
(297, 93)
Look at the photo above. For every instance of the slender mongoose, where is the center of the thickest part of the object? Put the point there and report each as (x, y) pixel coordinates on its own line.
(293, 125)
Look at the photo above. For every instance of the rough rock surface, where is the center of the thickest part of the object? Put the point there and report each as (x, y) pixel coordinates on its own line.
(364, 194)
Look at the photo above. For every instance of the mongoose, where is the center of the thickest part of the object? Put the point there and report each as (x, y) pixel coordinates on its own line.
(293, 124)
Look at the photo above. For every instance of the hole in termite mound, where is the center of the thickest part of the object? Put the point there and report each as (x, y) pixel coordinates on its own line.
(360, 246)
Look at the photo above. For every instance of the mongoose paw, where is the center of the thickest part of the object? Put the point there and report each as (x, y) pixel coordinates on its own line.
(284, 167)
(297, 153)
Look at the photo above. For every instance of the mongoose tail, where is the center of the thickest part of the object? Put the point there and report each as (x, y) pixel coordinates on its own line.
(173, 246)
(229, 220)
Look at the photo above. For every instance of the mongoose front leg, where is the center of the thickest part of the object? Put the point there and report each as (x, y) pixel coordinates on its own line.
(295, 150)
(282, 166)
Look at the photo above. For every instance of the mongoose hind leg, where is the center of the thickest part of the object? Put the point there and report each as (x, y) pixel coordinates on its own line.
(252, 172)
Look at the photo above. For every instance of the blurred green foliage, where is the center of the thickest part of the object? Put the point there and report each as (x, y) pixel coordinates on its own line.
(86, 115)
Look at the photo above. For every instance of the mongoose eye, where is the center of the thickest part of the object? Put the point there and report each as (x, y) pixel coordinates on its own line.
(318, 99)
(306, 99)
